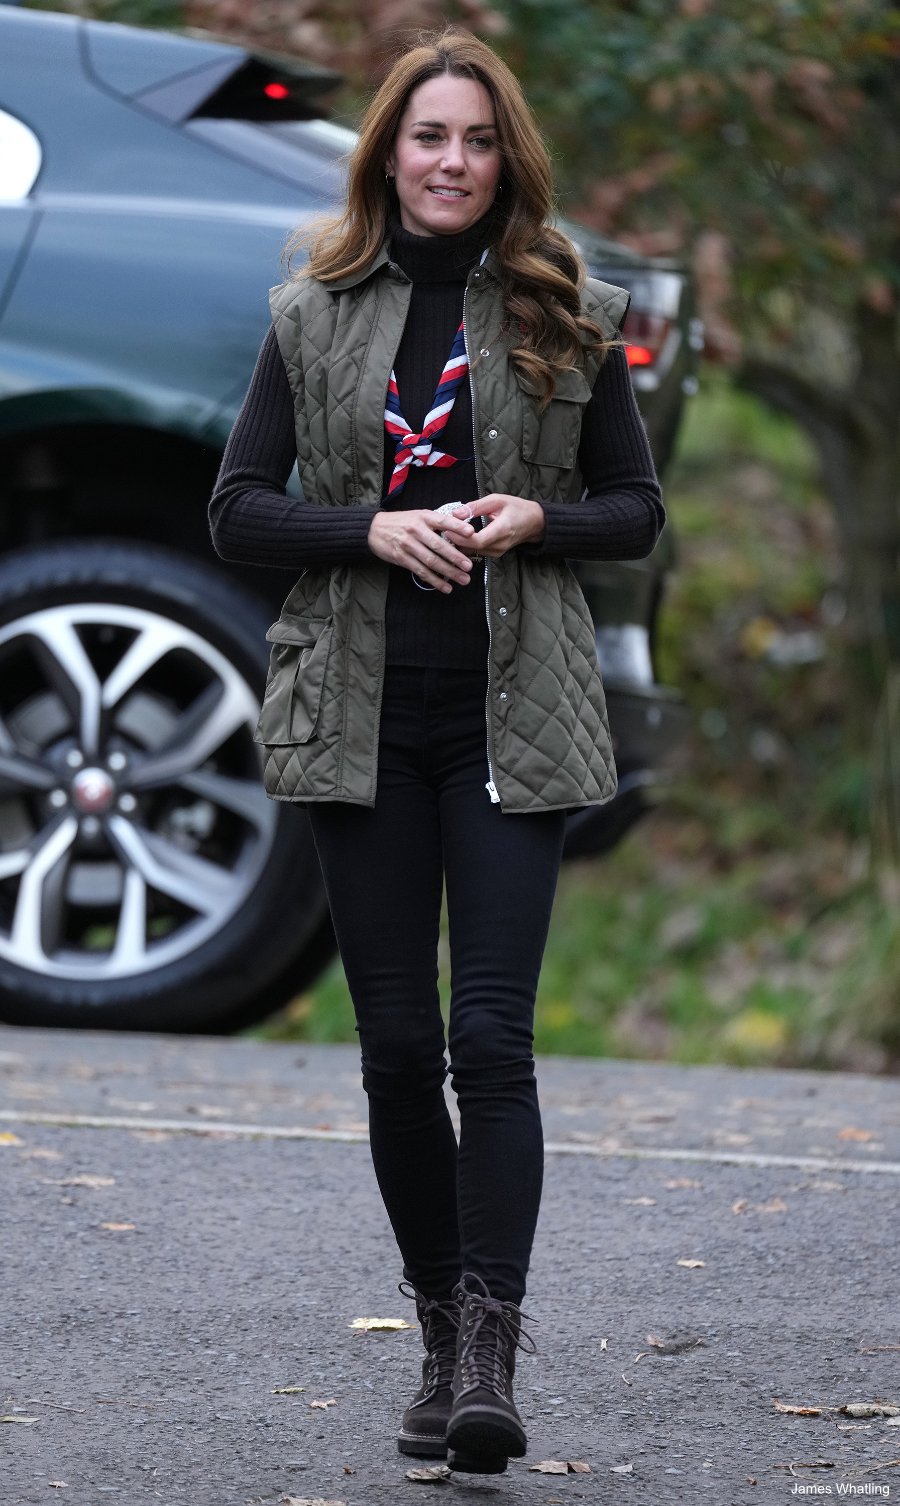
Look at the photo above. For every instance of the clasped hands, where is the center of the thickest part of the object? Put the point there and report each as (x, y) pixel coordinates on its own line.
(414, 539)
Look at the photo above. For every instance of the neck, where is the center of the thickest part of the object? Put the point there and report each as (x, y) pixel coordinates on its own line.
(439, 258)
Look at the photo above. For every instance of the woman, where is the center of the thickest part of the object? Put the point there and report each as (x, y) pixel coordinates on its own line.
(434, 698)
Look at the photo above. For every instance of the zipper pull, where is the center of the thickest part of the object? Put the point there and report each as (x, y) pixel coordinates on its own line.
(492, 791)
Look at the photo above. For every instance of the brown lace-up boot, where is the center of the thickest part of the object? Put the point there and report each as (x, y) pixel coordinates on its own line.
(423, 1431)
(485, 1428)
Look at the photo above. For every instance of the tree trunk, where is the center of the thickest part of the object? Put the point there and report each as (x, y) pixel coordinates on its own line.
(857, 433)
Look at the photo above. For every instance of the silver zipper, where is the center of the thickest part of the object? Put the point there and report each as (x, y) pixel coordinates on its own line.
(490, 786)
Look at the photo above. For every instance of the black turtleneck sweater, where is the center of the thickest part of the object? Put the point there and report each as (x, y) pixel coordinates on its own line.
(254, 521)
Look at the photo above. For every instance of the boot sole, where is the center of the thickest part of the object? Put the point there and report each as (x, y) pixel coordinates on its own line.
(466, 1464)
(419, 1446)
(484, 1433)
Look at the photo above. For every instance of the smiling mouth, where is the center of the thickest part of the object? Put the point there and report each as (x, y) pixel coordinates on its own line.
(444, 192)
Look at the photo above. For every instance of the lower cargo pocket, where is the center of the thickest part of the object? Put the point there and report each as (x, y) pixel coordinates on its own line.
(293, 696)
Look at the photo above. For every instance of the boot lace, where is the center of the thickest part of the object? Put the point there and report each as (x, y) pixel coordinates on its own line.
(494, 1333)
(440, 1324)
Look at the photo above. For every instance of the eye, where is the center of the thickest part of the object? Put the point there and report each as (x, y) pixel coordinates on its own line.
(483, 143)
(428, 137)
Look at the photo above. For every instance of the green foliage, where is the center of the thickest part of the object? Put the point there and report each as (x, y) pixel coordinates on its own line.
(776, 124)
(155, 13)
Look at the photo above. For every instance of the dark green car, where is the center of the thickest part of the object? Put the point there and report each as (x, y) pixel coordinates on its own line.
(148, 182)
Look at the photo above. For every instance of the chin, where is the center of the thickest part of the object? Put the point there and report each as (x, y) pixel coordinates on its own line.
(446, 217)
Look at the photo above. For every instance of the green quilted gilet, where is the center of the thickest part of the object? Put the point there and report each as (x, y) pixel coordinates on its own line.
(547, 733)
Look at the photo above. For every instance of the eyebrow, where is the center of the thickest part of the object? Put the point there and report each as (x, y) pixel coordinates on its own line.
(441, 125)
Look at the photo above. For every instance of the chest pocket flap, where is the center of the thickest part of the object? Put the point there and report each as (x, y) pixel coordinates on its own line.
(550, 435)
(290, 710)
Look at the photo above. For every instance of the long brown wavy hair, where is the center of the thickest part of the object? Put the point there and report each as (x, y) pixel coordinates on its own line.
(542, 276)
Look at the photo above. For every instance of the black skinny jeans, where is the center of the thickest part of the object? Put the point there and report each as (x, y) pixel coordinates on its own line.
(475, 1208)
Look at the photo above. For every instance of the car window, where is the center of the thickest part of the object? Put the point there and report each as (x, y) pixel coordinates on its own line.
(20, 159)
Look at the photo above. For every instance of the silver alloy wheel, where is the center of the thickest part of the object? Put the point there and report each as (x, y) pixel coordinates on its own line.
(133, 821)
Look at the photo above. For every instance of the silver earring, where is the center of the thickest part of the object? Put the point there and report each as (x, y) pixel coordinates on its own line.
(388, 180)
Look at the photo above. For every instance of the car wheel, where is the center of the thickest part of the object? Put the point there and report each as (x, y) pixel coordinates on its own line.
(146, 882)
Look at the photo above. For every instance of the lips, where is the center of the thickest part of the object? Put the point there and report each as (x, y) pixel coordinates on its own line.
(444, 191)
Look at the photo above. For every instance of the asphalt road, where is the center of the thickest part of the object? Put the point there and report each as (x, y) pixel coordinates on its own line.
(150, 1354)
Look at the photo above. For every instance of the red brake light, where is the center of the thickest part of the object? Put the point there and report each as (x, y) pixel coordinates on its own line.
(276, 91)
(644, 335)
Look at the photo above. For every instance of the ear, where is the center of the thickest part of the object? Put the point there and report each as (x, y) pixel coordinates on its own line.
(389, 168)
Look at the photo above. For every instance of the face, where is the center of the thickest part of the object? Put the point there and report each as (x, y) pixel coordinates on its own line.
(446, 161)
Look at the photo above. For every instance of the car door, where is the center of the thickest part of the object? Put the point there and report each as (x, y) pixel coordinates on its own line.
(20, 164)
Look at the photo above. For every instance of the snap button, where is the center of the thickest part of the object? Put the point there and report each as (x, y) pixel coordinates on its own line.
(502, 611)
(484, 352)
(503, 695)
(492, 433)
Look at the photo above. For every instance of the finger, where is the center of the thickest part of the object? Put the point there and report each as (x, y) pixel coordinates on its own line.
(495, 533)
(431, 578)
(458, 531)
(439, 521)
(445, 551)
(421, 558)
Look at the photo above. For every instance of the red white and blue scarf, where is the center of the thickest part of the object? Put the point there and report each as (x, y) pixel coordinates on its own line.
(418, 449)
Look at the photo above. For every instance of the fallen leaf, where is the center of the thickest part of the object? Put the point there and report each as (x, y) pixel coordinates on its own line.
(288, 1390)
(429, 1474)
(35, 1401)
(549, 1467)
(39, 1154)
(379, 1325)
(57, 1484)
(578, 1468)
(81, 1181)
(8, 1138)
(309, 1501)
(348, 1470)
(797, 1411)
(603, 1344)
(625, 1379)
(622, 1469)
(118, 1227)
(675, 1345)
(322, 1406)
(774, 1205)
(740, 1206)
(800, 1464)
(27, 1420)
(869, 1409)
(641, 1202)
(683, 1182)
(750, 1480)
(691, 1265)
(852, 1133)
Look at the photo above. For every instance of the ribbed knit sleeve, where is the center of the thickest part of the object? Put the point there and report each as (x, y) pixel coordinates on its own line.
(622, 516)
(251, 516)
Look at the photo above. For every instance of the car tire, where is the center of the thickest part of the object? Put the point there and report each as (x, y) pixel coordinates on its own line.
(146, 883)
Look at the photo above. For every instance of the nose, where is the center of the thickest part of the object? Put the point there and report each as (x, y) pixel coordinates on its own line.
(453, 160)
